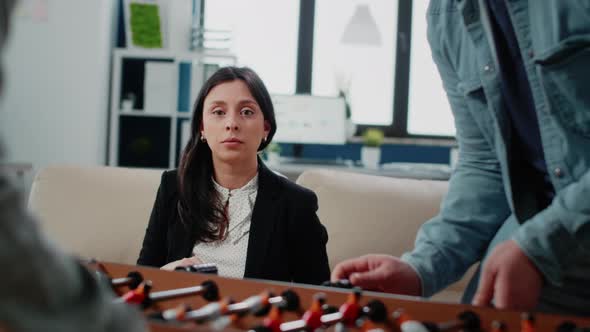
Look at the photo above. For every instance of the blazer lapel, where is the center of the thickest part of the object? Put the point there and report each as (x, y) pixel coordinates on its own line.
(184, 240)
(263, 218)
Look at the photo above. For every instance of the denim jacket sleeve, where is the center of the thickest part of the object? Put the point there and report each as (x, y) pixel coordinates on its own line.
(559, 236)
(475, 205)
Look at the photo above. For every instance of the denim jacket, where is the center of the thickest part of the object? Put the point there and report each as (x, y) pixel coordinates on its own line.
(483, 206)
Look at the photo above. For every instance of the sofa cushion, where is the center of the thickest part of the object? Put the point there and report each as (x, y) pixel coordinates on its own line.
(95, 212)
(371, 214)
(375, 214)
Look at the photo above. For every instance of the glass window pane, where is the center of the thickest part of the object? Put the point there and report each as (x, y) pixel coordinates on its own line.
(354, 50)
(429, 112)
(264, 34)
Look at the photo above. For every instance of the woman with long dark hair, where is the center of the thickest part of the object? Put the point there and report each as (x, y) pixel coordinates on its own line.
(224, 206)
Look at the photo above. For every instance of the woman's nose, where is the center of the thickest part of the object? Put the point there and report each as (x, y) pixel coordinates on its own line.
(232, 124)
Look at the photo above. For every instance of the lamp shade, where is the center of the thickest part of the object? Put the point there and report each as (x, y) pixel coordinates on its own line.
(362, 28)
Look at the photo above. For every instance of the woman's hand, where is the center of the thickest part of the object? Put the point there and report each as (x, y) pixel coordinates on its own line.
(182, 262)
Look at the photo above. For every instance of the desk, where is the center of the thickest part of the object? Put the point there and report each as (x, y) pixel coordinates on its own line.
(292, 170)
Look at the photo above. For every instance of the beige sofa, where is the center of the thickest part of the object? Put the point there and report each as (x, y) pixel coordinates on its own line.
(102, 212)
(95, 212)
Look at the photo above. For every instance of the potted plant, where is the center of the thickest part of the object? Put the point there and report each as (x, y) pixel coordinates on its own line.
(371, 150)
(273, 153)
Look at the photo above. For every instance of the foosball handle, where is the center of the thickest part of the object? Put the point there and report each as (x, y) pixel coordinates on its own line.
(206, 268)
(342, 283)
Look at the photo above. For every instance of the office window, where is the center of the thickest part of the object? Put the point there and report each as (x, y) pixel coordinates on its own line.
(429, 112)
(354, 50)
(265, 34)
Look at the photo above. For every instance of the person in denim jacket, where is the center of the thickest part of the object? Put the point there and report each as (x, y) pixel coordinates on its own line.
(517, 75)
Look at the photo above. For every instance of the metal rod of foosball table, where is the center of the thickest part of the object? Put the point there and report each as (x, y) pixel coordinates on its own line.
(173, 314)
(133, 279)
(208, 289)
(208, 312)
(467, 321)
(256, 304)
(288, 300)
(250, 304)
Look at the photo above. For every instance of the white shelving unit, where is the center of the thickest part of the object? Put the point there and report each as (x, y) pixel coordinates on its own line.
(140, 138)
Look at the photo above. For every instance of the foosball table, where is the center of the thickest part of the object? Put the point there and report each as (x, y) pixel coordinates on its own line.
(185, 301)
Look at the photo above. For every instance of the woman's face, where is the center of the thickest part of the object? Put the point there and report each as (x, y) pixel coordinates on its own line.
(233, 123)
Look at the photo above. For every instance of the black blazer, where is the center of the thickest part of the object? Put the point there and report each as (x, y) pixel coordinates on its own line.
(287, 242)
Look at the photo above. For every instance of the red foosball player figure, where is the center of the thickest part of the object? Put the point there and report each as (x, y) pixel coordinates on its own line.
(350, 310)
(274, 319)
(312, 317)
(527, 322)
(138, 295)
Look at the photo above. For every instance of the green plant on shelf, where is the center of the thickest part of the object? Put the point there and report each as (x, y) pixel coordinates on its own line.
(145, 25)
(273, 148)
(373, 137)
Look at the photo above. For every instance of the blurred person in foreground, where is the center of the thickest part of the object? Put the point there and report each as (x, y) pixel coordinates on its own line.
(41, 288)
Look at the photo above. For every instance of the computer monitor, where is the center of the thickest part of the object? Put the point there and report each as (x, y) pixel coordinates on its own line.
(310, 119)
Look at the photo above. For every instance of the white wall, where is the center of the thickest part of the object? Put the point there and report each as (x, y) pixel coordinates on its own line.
(57, 67)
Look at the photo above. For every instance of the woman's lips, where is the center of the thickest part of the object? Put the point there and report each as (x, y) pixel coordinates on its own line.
(232, 140)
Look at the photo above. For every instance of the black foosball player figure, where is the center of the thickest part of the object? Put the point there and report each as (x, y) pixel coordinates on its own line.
(288, 301)
(498, 326)
(569, 326)
(374, 312)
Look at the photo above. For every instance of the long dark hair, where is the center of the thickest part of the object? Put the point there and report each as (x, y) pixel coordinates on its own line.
(199, 205)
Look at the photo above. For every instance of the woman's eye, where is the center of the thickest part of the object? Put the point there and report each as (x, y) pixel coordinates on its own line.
(218, 112)
(247, 112)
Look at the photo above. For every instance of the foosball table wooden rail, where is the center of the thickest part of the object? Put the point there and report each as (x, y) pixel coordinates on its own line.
(184, 301)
